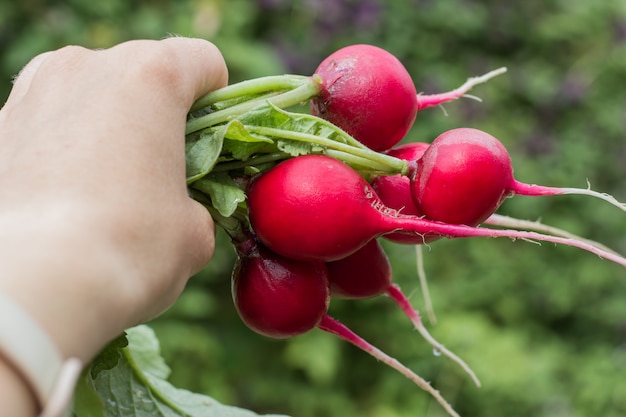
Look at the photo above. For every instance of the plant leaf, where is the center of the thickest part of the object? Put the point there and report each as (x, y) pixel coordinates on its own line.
(224, 192)
(202, 151)
(137, 386)
(274, 117)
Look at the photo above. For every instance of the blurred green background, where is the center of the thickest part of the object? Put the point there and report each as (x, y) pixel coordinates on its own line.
(543, 326)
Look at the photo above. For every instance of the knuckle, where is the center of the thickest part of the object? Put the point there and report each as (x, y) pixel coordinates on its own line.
(159, 67)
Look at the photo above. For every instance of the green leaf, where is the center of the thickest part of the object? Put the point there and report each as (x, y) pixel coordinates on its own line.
(274, 117)
(224, 192)
(202, 151)
(87, 402)
(109, 356)
(296, 148)
(241, 145)
(137, 386)
(235, 130)
(244, 150)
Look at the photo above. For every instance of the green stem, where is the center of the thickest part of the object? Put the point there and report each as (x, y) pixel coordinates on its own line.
(358, 162)
(256, 160)
(389, 164)
(251, 87)
(304, 92)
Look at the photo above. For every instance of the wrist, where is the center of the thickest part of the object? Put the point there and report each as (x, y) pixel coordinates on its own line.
(33, 356)
(60, 277)
(23, 401)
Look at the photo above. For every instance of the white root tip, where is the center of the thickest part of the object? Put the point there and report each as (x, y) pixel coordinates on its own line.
(441, 348)
(538, 226)
(471, 82)
(602, 196)
(421, 274)
(473, 97)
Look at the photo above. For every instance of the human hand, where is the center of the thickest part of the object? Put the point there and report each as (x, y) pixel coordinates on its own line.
(98, 231)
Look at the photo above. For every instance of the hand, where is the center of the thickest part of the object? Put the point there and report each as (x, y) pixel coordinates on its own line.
(98, 231)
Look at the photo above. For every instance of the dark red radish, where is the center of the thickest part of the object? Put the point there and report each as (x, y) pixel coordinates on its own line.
(466, 174)
(364, 274)
(316, 208)
(367, 92)
(367, 273)
(279, 297)
(395, 192)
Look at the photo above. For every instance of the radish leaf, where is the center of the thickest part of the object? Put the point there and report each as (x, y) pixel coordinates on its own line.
(137, 385)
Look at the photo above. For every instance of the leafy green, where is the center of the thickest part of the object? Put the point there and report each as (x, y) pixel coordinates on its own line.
(202, 152)
(87, 402)
(137, 385)
(110, 356)
(280, 119)
(224, 192)
(241, 145)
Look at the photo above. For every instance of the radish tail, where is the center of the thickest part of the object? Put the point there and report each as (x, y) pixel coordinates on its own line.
(421, 226)
(537, 226)
(535, 190)
(430, 100)
(394, 292)
(330, 325)
(421, 274)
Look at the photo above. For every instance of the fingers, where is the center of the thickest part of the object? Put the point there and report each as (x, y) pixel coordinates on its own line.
(181, 69)
(203, 64)
(204, 231)
(178, 69)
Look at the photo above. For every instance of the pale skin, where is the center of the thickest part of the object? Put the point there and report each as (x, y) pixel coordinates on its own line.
(98, 231)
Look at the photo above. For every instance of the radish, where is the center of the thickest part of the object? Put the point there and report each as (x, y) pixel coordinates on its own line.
(279, 297)
(466, 174)
(364, 274)
(269, 292)
(394, 191)
(316, 208)
(367, 273)
(367, 92)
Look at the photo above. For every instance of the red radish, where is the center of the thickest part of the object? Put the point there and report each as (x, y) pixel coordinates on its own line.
(316, 208)
(466, 174)
(280, 297)
(367, 92)
(367, 273)
(395, 191)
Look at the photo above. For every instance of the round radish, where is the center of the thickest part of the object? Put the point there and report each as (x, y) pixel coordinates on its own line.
(279, 297)
(463, 177)
(466, 174)
(366, 273)
(316, 208)
(367, 92)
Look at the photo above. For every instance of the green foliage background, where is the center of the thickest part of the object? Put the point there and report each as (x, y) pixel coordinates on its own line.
(543, 326)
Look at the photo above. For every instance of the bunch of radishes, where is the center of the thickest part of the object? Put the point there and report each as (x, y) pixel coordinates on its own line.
(305, 197)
